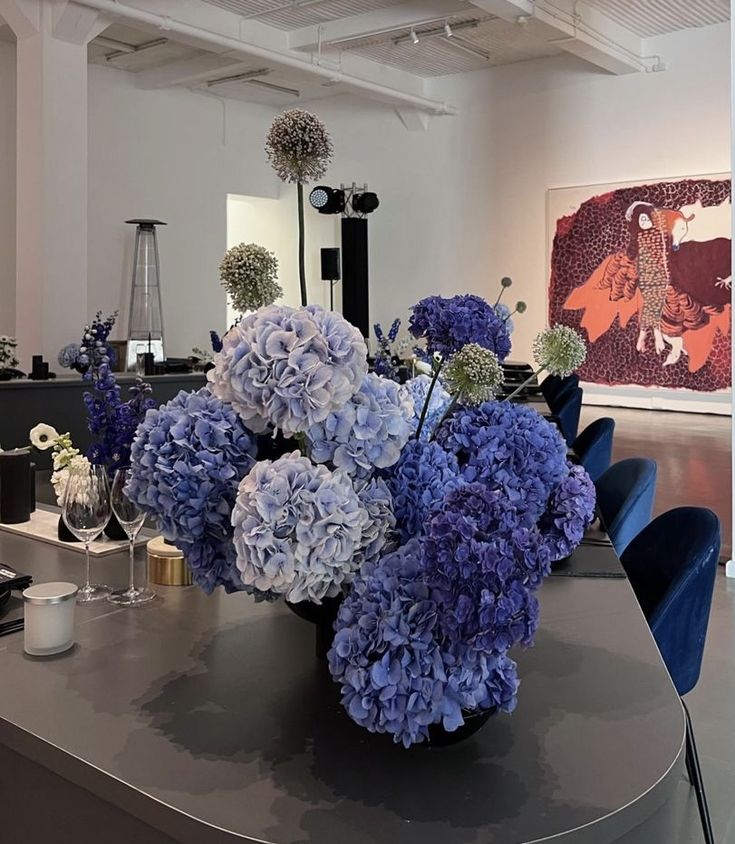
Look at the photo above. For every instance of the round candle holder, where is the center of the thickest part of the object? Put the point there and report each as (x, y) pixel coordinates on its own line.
(49, 618)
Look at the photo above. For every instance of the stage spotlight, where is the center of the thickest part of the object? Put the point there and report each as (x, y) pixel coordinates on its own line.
(327, 200)
(365, 203)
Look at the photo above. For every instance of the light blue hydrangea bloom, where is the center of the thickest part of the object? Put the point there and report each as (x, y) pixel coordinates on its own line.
(418, 388)
(366, 433)
(298, 529)
(289, 368)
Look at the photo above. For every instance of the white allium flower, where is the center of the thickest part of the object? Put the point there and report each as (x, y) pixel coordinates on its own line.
(560, 350)
(298, 146)
(248, 273)
(43, 436)
(473, 374)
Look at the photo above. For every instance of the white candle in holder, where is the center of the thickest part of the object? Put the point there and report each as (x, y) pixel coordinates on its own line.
(49, 618)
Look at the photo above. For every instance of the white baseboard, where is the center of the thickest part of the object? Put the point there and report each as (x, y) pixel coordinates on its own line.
(686, 401)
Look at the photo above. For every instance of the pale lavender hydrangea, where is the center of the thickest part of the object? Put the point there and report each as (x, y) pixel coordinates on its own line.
(289, 368)
(418, 387)
(378, 533)
(298, 529)
(367, 432)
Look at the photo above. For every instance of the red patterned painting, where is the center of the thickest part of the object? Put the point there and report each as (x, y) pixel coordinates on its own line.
(644, 271)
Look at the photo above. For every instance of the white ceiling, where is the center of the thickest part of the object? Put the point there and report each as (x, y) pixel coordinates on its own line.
(648, 18)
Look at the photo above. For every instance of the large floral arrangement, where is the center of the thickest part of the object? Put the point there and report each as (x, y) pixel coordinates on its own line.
(433, 510)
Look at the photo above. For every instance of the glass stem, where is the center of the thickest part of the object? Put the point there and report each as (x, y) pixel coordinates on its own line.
(132, 564)
(86, 567)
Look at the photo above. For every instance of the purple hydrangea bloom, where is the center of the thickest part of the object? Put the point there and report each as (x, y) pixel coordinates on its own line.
(397, 674)
(418, 483)
(449, 324)
(484, 560)
(289, 368)
(378, 533)
(298, 529)
(188, 458)
(418, 387)
(367, 432)
(570, 512)
(509, 447)
(504, 312)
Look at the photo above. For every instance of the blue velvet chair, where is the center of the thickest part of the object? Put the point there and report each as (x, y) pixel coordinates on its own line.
(552, 387)
(671, 565)
(566, 413)
(625, 494)
(593, 446)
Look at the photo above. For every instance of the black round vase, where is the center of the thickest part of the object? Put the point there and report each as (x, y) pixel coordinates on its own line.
(114, 530)
(473, 721)
(64, 534)
(322, 616)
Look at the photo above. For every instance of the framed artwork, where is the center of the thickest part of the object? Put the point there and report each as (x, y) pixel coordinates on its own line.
(643, 270)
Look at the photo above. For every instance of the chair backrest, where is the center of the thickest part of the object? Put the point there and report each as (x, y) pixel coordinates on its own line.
(593, 446)
(625, 494)
(671, 565)
(553, 385)
(567, 414)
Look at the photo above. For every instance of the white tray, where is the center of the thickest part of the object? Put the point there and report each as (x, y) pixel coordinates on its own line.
(44, 526)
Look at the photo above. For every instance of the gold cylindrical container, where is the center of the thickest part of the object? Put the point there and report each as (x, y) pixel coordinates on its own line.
(166, 564)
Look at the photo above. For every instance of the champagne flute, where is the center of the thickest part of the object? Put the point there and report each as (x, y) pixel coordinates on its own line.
(86, 512)
(131, 518)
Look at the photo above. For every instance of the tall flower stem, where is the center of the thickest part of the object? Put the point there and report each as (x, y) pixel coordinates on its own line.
(450, 408)
(425, 408)
(302, 270)
(528, 381)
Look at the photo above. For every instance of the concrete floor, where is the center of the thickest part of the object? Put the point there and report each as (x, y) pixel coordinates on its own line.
(693, 456)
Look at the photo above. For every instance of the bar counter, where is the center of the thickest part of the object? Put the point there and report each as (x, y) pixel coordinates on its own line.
(208, 719)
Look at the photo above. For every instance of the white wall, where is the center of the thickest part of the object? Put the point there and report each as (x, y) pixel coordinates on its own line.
(7, 188)
(462, 203)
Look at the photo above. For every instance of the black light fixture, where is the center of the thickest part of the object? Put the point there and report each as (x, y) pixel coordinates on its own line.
(365, 202)
(327, 200)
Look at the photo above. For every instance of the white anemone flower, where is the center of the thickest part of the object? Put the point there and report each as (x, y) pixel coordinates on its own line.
(43, 436)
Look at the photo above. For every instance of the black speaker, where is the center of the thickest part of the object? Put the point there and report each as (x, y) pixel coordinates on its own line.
(330, 265)
(355, 294)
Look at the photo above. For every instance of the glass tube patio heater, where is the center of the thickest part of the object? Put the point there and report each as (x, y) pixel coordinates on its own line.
(145, 320)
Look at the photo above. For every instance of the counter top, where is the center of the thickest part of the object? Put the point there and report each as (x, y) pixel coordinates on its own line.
(210, 719)
(75, 380)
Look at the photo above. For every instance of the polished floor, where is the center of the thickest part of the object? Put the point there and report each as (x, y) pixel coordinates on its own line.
(693, 456)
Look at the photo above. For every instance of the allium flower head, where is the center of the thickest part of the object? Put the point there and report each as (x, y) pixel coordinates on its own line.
(521, 307)
(289, 368)
(248, 273)
(561, 350)
(397, 674)
(506, 281)
(298, 146)
(368, 431)
(188, 458)
(473, 374)
(449, 324)
(298, 529)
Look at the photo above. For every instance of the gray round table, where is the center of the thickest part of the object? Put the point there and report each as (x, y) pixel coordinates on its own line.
(207, 719)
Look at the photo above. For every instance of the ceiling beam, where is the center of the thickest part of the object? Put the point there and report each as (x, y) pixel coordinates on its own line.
(579, 29)
(390, 19)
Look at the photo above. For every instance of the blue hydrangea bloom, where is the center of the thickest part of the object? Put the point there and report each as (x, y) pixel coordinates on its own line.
(397, 674)
(188, 458)
(484, 560)
(449, 324)
(68, 355)
(509, 447)
(298, 529)
(289, 368)
(570, 512)
(378, 532)
(504, 312)
(418, 483)
(418, 387)
(367, 432)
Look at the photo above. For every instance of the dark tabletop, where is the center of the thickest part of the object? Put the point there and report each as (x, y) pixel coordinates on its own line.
(210, 718)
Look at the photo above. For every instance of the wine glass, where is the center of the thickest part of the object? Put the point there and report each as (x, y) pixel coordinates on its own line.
(131, 518)
(86, 512)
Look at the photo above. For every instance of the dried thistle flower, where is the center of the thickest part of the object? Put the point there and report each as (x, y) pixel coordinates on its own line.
(473, 374)
(248, 273)
(560, 350)
(298, 146)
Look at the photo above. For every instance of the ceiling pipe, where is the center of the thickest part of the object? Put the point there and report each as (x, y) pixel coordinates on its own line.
(234, 45)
